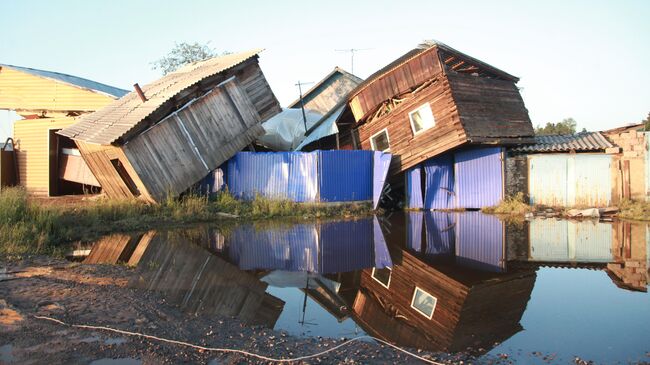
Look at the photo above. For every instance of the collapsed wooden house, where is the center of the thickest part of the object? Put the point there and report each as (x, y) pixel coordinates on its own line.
(159, 140)
(47, 163)
(431, 100)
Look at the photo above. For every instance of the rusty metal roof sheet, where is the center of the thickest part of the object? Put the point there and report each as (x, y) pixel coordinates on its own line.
(584, 141)
(107, 125)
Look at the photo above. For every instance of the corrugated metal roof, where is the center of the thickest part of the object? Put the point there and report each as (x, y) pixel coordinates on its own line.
(114, 121)
(585, 141)
(72, 80)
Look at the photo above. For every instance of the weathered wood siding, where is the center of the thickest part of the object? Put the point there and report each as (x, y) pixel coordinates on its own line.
(24, 92)
(405, 277)
(32, 137)
(252, 81)
(400, 79)
(409, 149)
(327, 95)
(98, 158)
(489, 108)
(184, 147)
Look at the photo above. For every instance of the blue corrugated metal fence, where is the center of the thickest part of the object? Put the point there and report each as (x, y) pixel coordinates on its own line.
(326, 176)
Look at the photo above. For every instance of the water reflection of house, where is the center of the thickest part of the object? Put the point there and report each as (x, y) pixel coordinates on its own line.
(419, 305)
(619, 248)
(175, 265)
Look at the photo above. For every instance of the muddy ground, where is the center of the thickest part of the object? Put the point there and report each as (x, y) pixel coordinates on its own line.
(99, 295)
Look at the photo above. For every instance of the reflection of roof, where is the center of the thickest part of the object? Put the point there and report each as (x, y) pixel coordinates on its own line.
(72, 80)
(585, 141)
(114, 121)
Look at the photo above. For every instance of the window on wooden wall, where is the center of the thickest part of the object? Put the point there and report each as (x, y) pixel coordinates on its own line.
(382, 276)
(423, 302)
(126, 178)
(422, 119)
(380, 141)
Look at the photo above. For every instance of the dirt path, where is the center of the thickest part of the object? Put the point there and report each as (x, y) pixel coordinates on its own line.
(99, 295)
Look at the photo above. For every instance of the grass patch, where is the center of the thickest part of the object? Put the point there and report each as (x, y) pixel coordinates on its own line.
(634, 210)
(515, 205)
(30, 228)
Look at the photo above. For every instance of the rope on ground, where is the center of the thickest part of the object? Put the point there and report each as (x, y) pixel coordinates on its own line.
(241, 352)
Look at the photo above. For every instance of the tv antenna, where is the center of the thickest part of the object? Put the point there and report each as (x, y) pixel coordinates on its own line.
(352, 51)
(302, 103)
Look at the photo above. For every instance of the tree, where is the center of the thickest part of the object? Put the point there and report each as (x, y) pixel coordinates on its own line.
(182, 54)
(566, 126)
(646, 123)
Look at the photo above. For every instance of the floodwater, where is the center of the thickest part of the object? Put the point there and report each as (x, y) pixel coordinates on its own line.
(541, 291)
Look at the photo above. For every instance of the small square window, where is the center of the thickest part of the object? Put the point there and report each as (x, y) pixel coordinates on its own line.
(422, 119)
(423, 302)
(379, 141)
(382, 276)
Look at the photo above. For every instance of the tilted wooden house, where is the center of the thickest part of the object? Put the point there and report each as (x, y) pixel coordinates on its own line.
(431, 100)
(418, 305)
(162, 140)
(47, 163)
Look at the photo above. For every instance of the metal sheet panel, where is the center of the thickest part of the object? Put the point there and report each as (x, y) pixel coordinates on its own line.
(382, 255)
(258, 173)
(303, 176)
(345, 175)
(380, 165)
(439, 182)
(290, 249)
(593, 182)
(414, 230)
(480, 241)
(346, 246)
(479, 177)
(549, 240)
(414, 188)
(547, 179)
(570, 179)
(554, 240)
(440, 233)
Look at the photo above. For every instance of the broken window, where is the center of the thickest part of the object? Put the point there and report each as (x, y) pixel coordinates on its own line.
(126, 178)
(422, 119)
(382, 276)
(423, 302)
(379, 141)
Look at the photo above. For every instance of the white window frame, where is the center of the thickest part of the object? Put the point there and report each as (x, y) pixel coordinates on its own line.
(372, 141)
(411, 119)
(435, 303)
(390, 276)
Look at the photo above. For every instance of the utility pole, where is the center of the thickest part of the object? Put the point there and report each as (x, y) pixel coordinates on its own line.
(352, 51)
(302, 103)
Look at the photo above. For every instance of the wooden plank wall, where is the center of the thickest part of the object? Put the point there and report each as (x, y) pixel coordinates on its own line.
(184, 147)
(405, 76)
(489, 108)
(329, 93)
(409, 150)
(22, 91)
(252, 80)
(408, 274)
(32, 151)
(98, 158)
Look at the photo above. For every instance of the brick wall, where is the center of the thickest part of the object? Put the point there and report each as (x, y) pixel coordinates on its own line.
(631, 149)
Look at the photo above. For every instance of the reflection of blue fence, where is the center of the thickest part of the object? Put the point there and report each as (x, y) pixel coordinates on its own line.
(326, 176)
(329, 247)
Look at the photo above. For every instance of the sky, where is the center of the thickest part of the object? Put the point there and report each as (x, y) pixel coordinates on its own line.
(582, 59)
